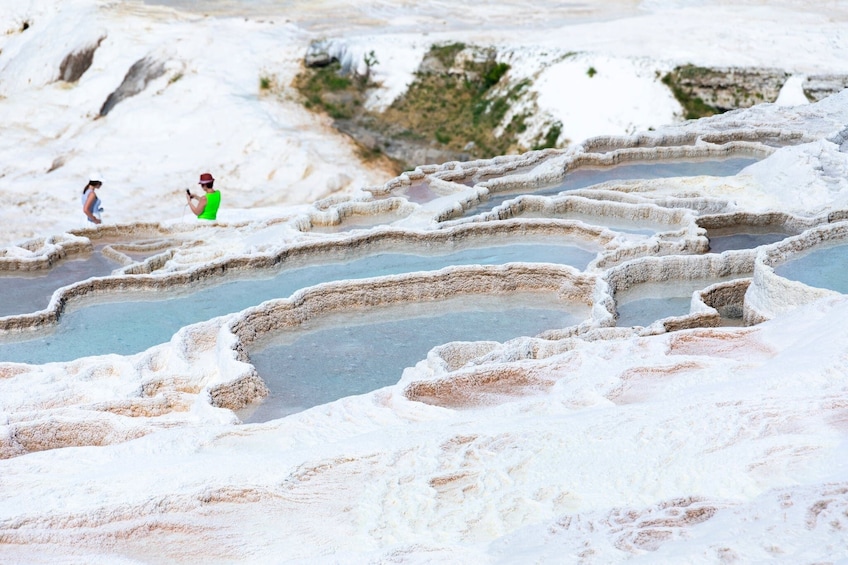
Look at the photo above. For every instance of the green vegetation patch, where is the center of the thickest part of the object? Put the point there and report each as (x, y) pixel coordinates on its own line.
(446, 53)
(681, 81)
(458, 100)
(327, 89)
(461, 108)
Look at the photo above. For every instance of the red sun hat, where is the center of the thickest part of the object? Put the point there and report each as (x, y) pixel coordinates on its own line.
(205, 178)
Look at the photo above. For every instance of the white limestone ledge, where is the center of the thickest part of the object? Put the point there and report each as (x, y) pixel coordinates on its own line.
(42, 253)
(770, 294)
(714, 270)
(748, 222)
(677, 230)
(460, 173)
(116, 242)
(772, 136)
(111, 398)
(597, 210)
(347, 214)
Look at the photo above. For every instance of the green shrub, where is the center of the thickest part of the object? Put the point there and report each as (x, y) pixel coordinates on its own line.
(551, 137)
(450, 109)
(693, 106)
(447, 52)
(494, 74)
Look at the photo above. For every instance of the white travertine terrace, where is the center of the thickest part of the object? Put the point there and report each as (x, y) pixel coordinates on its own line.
(182, 256)
(190, 386)
(770, 294)
(230, 382)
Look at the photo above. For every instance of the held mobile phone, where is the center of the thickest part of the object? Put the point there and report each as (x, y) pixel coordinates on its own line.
(188, 192)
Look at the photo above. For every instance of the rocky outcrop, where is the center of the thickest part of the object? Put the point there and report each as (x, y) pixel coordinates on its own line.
(398, 147)
(819, 87)
(467, 119)
(137, 78)
(319, 54)
(75, 64)
(724, 89)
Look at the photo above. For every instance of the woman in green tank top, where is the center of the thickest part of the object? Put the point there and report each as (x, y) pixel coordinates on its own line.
(206, 207)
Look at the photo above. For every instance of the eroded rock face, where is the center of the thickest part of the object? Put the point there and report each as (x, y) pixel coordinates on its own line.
(727, 89)
(393, 144)
(318, 54)
(137, 78)
(75, 64)
(819, 87)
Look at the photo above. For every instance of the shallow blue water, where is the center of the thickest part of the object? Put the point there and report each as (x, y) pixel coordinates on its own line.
(372, 353)
(584, 177)
(821, 268)
(22, 293)
(744, 241)
(648, 302)
(132, 326)
(645, 311)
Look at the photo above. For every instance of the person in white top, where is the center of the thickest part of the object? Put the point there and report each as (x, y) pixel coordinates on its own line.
(91, 205)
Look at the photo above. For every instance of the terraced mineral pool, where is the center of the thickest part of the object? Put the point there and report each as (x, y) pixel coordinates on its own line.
(127, 327)
(649, 302)
(820, 268)
(359, 221)
(369, 351)
(24, 292)
(584, 177)
(613, 223)
(140, 256)
(645, 311)
(419, 192)
(723, 240)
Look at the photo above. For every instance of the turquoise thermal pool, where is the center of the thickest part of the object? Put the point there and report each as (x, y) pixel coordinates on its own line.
(722, 243)
(24, 292)
(645, 311)
(820, 268)
(614, 224)
(127, 327)
(646, 303)
(585, 177)
(369, 351)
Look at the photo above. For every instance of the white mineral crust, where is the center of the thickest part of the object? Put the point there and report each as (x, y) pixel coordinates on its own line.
(709, 444)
